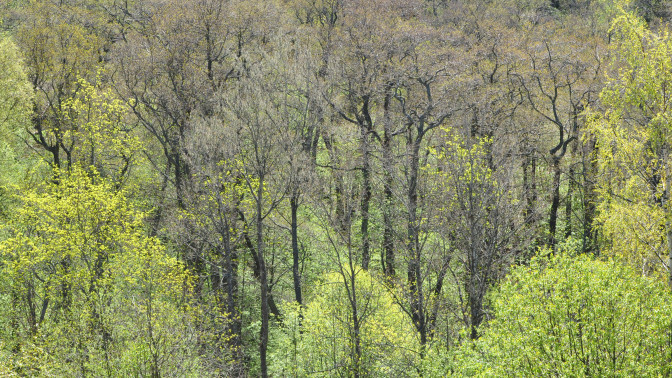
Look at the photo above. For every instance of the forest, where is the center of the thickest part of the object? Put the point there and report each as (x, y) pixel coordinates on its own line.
(335, 188)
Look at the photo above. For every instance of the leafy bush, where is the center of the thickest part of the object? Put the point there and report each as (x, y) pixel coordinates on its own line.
(574, 316)
(320, 344)
(84, 290)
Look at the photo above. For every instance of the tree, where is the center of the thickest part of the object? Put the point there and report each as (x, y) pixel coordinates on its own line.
(359, 68)
(85, 288)
(319, 338)
(15, 110)
(633, 141)
(15, 91)
(214, 228)
(573, 316)
(100, 130)
(478, 207)
(59, 49)
(558, 80)
(425, 101)
(257, 113)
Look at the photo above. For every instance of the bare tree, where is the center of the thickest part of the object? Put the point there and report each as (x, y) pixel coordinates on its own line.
(562, 80)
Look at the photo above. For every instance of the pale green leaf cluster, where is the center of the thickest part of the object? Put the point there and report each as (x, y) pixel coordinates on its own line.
(463, 169)
(15, 91)
(86, 289)
(633, 137)
(99, 126)
(317, 340)
(574, 316)
(16, 98)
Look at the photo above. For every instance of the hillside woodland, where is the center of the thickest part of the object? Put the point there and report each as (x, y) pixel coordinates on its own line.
(346, 188)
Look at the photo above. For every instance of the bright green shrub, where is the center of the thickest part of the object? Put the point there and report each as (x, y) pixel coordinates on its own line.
(85, 292)
(320, 344)
(574, 316)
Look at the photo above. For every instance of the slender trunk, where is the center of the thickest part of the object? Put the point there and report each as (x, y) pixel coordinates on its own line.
(358, 349)
(263, 280)
(533, 182)
(365, 124)
(226, 336)
(431, 323)
(366, 199)
(388, 243)
(530, 186)
(230, 281)
(475, 266)
(555, 203)
(589, 200)
(256, 270)
(294, 205)
(475, 306)
(365, 128)
(568, 204)
(338, 183)
(179, 174)
(32, 313)
(216, 279)
(668, 225)
(668, 220)
(66, 298)
(414, 272)
(15, 339)
(478, 282)
(231, 277)
(356, 326)
(526, 188)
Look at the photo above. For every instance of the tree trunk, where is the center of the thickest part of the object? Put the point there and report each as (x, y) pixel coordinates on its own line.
(366, 199)
(668, 220)
(431, 323)
(475, 266)
(388, 241)
(589, 200)
(365, 127)
(230, 279)
(668, 226)
(263, 281)
(413, 246)
(338, 183)
(356, 326)
(555, 203)
(568, 204)
(294, 205)
(256, 270)
(475, 306)
(530, 185)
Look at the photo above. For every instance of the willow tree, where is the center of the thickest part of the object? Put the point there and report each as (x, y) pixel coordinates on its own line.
(633, 139)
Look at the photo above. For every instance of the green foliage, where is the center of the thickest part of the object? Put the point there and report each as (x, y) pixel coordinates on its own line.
(574, 316)
(15, 112)
(15, 90)
(316, 340)
(98, 124)
(465, 172)
(85, 288)
(633, 139)
(413, 137)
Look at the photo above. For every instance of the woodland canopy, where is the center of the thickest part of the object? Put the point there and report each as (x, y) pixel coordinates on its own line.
(360, 188)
